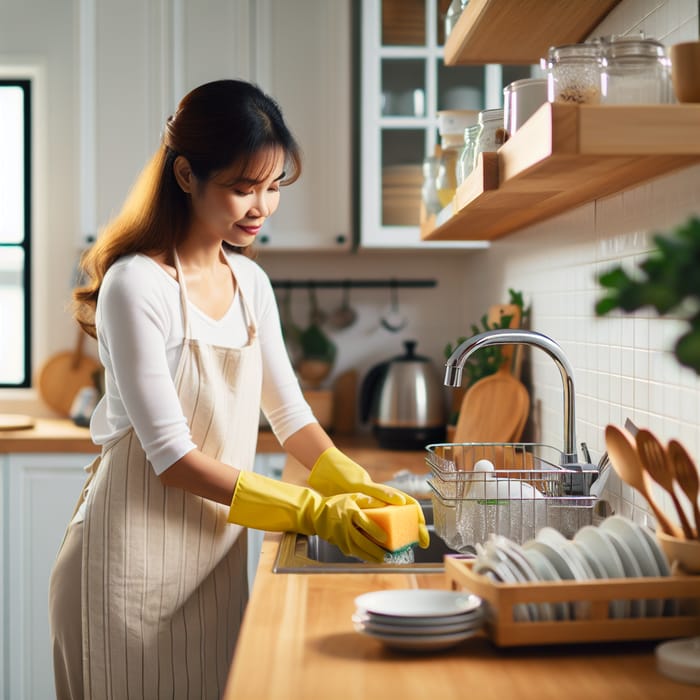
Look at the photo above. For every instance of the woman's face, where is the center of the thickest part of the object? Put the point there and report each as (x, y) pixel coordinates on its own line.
(233, 208)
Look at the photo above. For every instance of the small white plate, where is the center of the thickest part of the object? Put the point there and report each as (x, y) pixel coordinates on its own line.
(616, 609)
(671, 605)
(420, 643)
(517, 558)
(418, 602)
(370, 625)
(638, 607)
(546, 572)
(629, 532)
(498, 571)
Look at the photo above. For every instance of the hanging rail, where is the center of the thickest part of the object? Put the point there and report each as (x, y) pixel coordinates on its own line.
(352, 283)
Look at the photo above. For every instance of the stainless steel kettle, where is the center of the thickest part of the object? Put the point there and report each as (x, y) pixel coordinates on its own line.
(406, 401)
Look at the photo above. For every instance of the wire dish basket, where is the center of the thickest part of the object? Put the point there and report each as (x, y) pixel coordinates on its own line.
(528, 490)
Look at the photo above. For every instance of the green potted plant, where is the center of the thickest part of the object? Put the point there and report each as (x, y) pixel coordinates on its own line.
(668, 280)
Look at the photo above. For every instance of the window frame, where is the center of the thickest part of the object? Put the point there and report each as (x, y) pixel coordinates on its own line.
(25, 84)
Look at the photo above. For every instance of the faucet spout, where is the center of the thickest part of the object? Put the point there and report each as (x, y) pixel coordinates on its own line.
(507, 336)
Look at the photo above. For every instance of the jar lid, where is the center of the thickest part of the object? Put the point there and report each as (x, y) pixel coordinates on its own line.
(574, 51)
(632, 47)
(525, 83)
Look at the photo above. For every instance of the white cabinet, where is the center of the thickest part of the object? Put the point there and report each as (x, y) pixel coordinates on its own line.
(404, 82)
(298, 51)
(39, 493)
(303, 59)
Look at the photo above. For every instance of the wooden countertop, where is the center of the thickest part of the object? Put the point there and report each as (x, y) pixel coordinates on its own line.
(56, 435)
(298, 642)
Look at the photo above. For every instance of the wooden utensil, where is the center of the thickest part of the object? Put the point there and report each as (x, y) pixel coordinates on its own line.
(625, 460)
(345, 403)
(655, 460)
(63, 375)
(494, 409)
(685, 472)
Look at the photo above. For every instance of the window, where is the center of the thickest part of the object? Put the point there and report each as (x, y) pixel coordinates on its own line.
(15, 228)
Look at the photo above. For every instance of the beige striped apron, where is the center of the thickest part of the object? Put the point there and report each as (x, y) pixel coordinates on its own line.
(164, 575)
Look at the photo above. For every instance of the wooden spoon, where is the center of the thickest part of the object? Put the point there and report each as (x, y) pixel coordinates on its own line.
(686, 474)
(625, 460)
(656, 462)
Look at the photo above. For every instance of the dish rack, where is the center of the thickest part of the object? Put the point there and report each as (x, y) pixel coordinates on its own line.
(528, 490)
(593, 597)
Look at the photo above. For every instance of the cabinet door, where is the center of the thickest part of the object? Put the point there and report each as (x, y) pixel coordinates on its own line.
(404, 83)
(42, 490)
(303, 59)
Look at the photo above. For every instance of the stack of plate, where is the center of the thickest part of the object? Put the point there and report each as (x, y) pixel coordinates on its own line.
(618, 548)
(401, 195)
(418, 619)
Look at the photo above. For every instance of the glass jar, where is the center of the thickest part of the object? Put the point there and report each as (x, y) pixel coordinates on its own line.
(573, 73)
(492, 135)
(635, 71)
(465, 163)
(429, 192)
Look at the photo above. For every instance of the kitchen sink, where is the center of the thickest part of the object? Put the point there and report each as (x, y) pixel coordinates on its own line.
(309, 554)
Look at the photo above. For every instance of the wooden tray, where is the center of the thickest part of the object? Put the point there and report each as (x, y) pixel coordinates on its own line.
(503, 630)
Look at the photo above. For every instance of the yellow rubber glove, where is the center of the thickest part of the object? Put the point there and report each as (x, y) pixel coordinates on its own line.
(267, 504)
(334, 473)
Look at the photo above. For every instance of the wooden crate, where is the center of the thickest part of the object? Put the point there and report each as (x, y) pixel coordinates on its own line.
(504, 630)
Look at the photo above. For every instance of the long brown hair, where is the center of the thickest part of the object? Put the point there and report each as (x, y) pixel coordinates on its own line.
(215, 126)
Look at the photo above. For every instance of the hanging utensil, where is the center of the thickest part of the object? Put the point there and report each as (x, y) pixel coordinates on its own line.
(392, 320)
(655, 461)
(685, 472)
(317, 316)
(344, 316)
(625, 460)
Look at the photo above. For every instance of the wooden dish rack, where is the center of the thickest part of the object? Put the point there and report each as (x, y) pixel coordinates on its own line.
(501, 598)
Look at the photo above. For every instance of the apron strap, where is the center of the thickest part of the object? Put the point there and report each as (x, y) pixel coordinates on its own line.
(183, 296)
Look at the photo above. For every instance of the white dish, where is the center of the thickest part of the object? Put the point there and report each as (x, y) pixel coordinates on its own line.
(407, 621)
(562, 566)
(420, 643)
(516, 556)
(546, 572)
(630, 533)
(632, 570)
(499, 571)
(671, 605)
(370, 625)
(418, 603)
(616, 609)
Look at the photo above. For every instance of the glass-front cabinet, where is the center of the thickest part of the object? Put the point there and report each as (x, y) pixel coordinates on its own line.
(403, 85)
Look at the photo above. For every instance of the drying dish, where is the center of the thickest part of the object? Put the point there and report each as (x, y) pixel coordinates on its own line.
(418, 620)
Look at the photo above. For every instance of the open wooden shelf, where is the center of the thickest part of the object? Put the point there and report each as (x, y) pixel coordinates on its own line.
(520, 31)
(565, 156)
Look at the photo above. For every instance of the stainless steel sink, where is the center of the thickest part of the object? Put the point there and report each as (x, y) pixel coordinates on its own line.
(309, 554)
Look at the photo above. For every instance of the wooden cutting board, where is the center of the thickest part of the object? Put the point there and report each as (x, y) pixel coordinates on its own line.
(14, 421)
(494, 409)
(64, 374)
(345, 403)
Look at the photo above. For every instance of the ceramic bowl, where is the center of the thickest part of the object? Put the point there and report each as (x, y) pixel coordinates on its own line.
(686, 553)
(685, 71)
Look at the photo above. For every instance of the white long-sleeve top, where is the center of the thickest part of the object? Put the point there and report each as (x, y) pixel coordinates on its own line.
(140, 334)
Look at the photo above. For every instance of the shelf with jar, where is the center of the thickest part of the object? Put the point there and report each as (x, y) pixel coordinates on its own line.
(404, 88)
(520, 31)
(564, 156)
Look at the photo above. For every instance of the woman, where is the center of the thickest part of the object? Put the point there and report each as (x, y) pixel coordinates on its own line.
(154, 561)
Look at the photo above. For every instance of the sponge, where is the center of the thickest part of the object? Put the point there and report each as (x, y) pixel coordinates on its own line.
(400, 524)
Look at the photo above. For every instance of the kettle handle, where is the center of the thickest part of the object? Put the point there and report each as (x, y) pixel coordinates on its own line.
(368, 391)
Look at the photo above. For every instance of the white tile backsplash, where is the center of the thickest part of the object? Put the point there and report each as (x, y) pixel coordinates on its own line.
(623, 364)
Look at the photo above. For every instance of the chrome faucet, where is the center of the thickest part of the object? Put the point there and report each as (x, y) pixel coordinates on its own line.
(506, 336)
